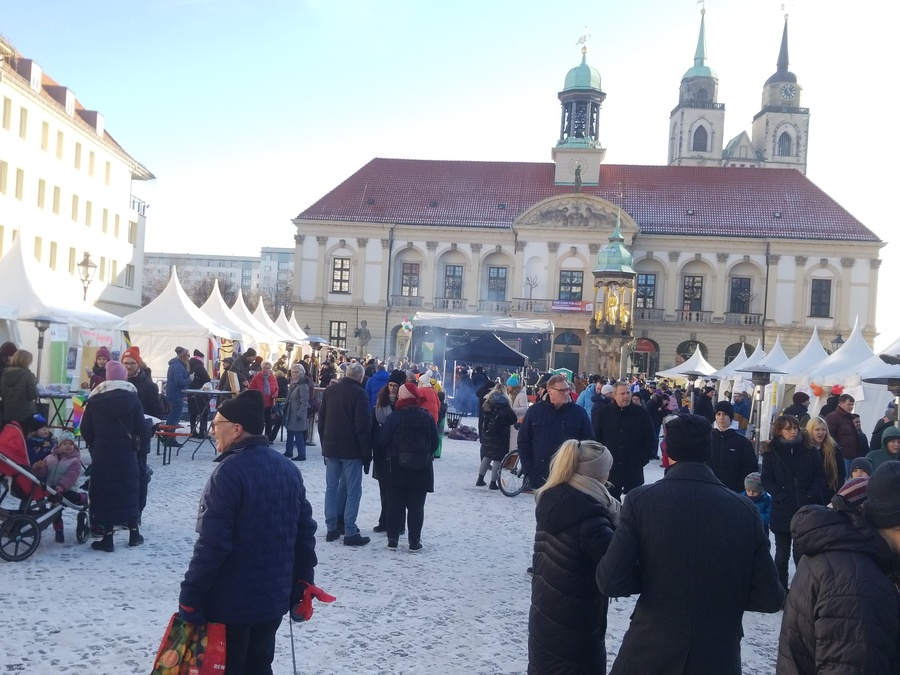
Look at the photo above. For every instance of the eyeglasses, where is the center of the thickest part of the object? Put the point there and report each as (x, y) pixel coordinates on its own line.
(559, 388)
(216, 423)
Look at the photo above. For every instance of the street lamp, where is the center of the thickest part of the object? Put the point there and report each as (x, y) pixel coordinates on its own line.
(837, 343)
(42, 325)
(86, 270)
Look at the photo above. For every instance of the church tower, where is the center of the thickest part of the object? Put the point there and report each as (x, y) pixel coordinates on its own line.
(697, 123)
(578, 153)
(781, 127)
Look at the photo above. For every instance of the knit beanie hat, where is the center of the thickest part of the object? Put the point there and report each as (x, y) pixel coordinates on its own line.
(425, 379)
(134, 352)
(689, 438)
(863, 463)
(800, 398)
(753, 482)
(197, 352)
(607, 389)
(883, 507)
(65, 436)
(115, 371)
(246, 409)
(408, 390)
(180, 351)
(854, 492)
(104, 352)
(513, 381)
(250, 352)
(397, 377)
(598, 467)
(725, 407)
(7, 349)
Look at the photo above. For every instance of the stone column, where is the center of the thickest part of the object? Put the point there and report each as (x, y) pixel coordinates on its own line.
(552, 270)
(721, 298)
(385, 264)
(518, 290)
(324, 272)
(473, 279)
(298, 267)
(772, 263)
(358, 274)
(874, 265)
(430, 273)
(673, 289)
(842, 301)
(801, 291)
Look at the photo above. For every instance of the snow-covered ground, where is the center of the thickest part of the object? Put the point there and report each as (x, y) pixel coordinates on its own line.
(459, 606)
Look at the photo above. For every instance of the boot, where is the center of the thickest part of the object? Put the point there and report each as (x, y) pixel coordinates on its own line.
(60, 536)
(480, 482)
(493, 485)
(105, 544)
(134, 535)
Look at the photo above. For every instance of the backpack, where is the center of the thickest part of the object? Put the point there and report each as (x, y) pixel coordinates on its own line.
(412, 440)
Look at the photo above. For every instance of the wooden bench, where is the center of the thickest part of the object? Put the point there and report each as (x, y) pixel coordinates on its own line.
(166, 439)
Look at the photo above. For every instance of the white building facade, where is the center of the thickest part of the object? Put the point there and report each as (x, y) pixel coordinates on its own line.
(66, 185)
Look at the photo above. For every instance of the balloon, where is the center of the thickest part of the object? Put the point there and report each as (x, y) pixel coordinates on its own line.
(837, 390)
(816, 389)
(817, 381)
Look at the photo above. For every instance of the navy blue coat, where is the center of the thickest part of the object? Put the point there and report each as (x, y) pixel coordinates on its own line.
(177, 380)
(257, 537)
(112, 412)
(344, 425)
(795, 476)
(544, 429)
(416, 424)
(628, 433)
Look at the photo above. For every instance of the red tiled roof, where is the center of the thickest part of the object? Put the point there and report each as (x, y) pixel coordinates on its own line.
(732, 202)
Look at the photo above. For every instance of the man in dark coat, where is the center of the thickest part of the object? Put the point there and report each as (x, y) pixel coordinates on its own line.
(696, 553)
(704, 404)
(346, 435)
(256, 550)
(546, 425)
(733, 457)
(843, 613)
(240, 366)
(148, 394)
(627, 430)
(843, 431)
(799, 408)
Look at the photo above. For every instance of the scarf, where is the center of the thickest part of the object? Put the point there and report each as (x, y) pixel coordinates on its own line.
(590, 478)
(267, 390)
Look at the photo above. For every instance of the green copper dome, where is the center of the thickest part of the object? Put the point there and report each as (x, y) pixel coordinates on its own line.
(583, 76)
(700, 69)
(615, 257)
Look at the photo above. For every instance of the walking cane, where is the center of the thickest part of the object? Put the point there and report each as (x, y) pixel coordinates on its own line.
(303, 611)
(293, 654)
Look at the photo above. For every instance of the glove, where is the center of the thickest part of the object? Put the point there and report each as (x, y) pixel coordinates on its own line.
(302, 597)
(191, 615)
(366, 467)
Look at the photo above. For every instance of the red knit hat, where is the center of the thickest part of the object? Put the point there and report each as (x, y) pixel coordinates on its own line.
(134, 352)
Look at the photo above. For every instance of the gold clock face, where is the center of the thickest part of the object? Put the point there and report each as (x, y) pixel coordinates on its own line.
(788, 91)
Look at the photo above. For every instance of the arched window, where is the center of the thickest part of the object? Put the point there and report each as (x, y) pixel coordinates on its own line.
(702, 94)
(785, 143)
(700, 140)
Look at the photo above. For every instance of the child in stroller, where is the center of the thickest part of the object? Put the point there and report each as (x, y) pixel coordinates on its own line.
(39, 440)
(38, 505)
(60, 470)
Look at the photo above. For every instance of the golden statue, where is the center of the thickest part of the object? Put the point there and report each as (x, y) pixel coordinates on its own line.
(612, 308)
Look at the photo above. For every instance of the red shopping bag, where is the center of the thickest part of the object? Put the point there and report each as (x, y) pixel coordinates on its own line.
(188, 649)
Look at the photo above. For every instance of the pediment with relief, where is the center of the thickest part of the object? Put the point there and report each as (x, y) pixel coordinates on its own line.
(575, 212)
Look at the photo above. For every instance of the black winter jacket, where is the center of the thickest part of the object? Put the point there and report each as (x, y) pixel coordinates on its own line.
(732, 458)
(795, 476)
(567, 620)
(696, 553)
(148, 394)
(493, 428)
(344, 424)
(111, 415)
(629, 435)
(544, 428)
(18, 390)
(843, 613)
(413, 425)
(256, 537)
(704, 408)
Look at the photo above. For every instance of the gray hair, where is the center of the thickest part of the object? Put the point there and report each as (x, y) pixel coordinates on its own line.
(356, 371)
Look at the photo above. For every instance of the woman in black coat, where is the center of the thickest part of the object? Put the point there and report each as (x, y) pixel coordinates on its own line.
(409, 437)
(576, 519)
(793, 474)
(495, 419)
(18, 388)
(112, 419)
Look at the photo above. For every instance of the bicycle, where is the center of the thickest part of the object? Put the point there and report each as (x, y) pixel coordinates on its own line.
(512, 479)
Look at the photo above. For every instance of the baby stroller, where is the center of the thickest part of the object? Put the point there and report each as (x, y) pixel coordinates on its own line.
(38, 506)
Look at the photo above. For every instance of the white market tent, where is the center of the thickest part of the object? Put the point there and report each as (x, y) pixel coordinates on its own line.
(727, 371)
(286, 327)
(216, 309)
(262, 316)
(271, 339)
(813, 354)
(171, 321)
(296, 326)
(33, 294)
(695, 364)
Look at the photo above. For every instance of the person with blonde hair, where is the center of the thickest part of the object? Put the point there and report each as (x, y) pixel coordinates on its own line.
(832, 459)
(576, 518)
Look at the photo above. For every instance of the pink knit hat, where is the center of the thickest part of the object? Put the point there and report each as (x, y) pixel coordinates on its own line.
(408, 390)
(116, 371)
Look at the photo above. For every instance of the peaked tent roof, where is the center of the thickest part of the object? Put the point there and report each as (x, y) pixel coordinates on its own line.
(738, 361)
(842, 364)
(33, 294)
(216, 309)
(722, 202)
(244, 314)
(776, 359)
(811, 355)
(487, 349)
(696, 363)
(287, 328)
(295, 325)
(263, 317)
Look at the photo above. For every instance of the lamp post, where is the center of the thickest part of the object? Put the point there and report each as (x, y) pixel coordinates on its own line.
(86, 270)
(893, 386)
(760, 376)
(837, 343)
(42, 325)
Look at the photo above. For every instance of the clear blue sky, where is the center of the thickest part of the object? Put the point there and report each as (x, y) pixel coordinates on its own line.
(247, 112)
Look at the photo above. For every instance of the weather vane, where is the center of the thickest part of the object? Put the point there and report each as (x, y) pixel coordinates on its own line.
(583, 41)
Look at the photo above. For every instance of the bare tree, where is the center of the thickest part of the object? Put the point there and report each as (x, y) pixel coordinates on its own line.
(532, 282)
(199, 291)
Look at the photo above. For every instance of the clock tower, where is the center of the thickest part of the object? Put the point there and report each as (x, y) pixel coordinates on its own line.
(781, 127)
(578, 152)
(697, 123)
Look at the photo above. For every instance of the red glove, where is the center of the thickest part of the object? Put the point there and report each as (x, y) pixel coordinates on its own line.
(303, 610)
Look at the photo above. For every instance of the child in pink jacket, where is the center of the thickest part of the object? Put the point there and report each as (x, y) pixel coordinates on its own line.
(61, 469)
